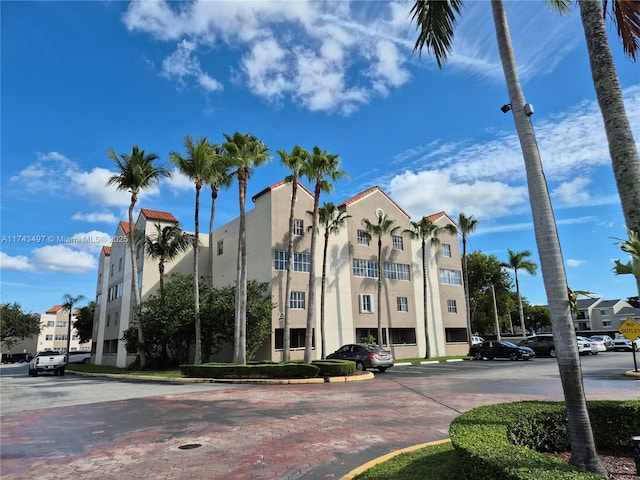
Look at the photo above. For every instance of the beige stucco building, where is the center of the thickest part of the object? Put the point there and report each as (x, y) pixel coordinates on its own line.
(351, 297)
(53, 333)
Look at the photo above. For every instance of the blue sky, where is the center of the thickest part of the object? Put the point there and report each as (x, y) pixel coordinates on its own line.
(79, 78)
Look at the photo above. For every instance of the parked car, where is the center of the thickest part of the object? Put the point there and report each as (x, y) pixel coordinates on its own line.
(585, 347)
(500, 349)
(623, 343)
(476, 340)
(365, 356)
(48, 361)
(16, 357)
(79, 357)
(606, 339)
(542, 344)
(597, 344)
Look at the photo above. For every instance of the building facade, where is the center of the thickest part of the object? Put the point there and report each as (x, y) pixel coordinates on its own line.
(54, 330)
(598, 314)
(351, 300)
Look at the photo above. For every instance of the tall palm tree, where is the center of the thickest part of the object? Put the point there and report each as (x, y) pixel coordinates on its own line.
(424, 230)
(632, 247)
(245, 152)
(466, 225)
(332, 220)
(295, 162)
(136, 172)
(622, 146)
(68, 303)
(517, 262)
(321, 169)
(436, 20)
(197, 166)
(220, 177)
(383, 226)
(165, 245)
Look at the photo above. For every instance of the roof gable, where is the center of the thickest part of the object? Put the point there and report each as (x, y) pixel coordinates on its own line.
(278, 185)
(368, 192)
(158, 215)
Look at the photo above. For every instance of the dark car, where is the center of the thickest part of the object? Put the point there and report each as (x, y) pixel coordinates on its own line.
(365, 356)
(500, 349)
(542, 344)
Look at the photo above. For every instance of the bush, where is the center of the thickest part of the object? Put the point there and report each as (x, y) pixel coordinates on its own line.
(266, 370)
(503, 442)
(335, 368)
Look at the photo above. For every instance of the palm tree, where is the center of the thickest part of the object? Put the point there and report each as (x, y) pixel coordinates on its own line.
(244, 152)
(517, 262)
(136, 172)
(632, 247)
(68, 303)
(383, 226)
(219, 178)
(332, 220)
(424, 230)
(436, 20)
(466, 226)
(622, 146)
(321, 169)
(165, 245)
(295, 163)
(196, 166)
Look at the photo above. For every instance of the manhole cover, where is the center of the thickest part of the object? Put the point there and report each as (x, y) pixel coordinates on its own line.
(189, 446)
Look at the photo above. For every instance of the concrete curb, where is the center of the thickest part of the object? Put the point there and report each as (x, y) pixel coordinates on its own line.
(357, 471)
(258, 381)
(632, 373)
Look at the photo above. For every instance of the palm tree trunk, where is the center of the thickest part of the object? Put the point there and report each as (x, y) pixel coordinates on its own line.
(214, 196)
(424, 299)
(134, 281)
(583, 452)
(196, 279)
(520, 309)
(322, 291)
(622, 146)
(465, 280)
(287, 294)
(312, 277)
(240, 334)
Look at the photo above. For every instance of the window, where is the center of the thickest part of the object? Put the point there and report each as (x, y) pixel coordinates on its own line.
(396, 271)
(365, 268)
(280, 260)
(301, 262)
(112, 270)
(297, 338)
(606, 323)
(61, 336)
(603, 312)
(116, 318)
(99, 299)
(120, 264)
(296, 301)
(398, 243)
(119, 288)
(220, 245)
(48, 337)
(452, 306)
(402, 336)
(363, 237)
(445, 249)
(298, 227)
(50, 323)
(61, 324)
(366, 303)
(455, 335)
(108, 320)
(450, 277)
(140, 280)
(403, 304)
(112, 294)
(363, 334)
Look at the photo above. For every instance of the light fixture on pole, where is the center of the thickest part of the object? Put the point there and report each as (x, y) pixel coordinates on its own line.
(505, 108)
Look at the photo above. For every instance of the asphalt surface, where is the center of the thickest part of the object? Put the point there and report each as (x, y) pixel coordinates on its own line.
(60, 427)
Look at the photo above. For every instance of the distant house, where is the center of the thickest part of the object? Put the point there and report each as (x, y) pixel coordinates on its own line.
(53, 333)
(599, 314)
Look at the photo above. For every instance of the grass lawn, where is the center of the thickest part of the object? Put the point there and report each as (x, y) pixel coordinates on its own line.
(435, 462)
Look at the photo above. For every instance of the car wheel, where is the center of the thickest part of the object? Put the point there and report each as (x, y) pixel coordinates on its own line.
(490, 358)
(513, 356)
(30, 373)
(35, 372)
(61, 372)
(360, 366)
(594, 353)
(85, 361)
(382, 369)
(552, 353)
(478, 356)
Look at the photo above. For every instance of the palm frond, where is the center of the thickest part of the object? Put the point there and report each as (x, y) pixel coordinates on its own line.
(435, 20)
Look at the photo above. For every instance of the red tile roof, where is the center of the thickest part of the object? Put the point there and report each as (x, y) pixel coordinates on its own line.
(368, 192)
(55, 308)
(278, 185)
(124, 226)
(106, 250)
(437, 216)
(158, 215)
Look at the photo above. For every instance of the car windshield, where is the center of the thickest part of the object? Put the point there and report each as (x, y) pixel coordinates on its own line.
(508, 344)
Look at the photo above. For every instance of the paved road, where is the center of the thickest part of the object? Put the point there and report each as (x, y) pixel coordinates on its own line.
(105, 429)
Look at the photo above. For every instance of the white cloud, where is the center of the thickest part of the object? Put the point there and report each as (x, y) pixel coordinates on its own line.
(575, 263)
(19, 262)
(60, 258)
(182, 64)
(574, 192)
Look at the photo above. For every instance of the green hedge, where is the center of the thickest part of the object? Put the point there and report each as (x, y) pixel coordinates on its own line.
(335, 368)
(503, 442)
(267, 370)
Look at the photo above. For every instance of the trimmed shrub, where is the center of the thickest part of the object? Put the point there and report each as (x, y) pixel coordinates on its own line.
(335, 368)
(504, 441)
(267, 370)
